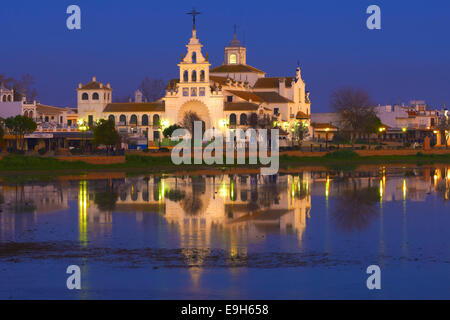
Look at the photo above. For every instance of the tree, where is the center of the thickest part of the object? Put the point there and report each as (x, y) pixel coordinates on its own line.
(106, 199)
(152, 89)
(300, 132)
(253, 120)
(19, 126)
(169, 130)
(355, 207)
(2, 129)
(371, 125)
(22, 88)
(188, 121)
(354, 107)
(105, 133)
(443, 126)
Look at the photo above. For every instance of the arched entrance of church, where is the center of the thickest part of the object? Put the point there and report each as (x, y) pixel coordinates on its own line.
(199, 108)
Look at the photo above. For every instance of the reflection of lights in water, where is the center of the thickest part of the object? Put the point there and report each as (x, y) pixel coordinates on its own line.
(327, 187)
(293, 190)
(162, 190)
(381, 190)
(404, 188)
(82, 208)
(233, 252)
(223, 190)
(232, 190)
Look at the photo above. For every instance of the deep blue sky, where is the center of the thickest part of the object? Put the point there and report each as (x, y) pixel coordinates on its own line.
(121, 42)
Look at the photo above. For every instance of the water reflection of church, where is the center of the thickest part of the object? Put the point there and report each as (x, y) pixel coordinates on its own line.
(229, 212)
(202, 205)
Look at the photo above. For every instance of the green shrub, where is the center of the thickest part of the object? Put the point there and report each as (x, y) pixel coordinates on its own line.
(342, 154)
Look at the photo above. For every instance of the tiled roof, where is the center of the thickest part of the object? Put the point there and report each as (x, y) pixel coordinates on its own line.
(323, 125)
(302, 115)
(41, 108)
(272, 82)
(220, 80)
(94, 85)
(235, 68)
(272, 97)
(246, 95)
(240, 106)
(135, 107)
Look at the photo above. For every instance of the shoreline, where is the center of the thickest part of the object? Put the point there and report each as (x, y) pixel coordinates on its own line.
(16, 166)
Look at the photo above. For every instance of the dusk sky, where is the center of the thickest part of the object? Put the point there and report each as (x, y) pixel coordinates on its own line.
(122, 42)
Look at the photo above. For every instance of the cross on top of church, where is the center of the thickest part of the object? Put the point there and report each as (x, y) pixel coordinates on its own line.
(193, 13)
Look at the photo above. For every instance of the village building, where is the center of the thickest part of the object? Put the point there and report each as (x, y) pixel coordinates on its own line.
(224, 97)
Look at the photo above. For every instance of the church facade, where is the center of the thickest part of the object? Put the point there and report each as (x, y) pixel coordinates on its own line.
(224, 97)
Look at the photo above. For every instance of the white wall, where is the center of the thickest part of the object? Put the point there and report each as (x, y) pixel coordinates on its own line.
(10, 109)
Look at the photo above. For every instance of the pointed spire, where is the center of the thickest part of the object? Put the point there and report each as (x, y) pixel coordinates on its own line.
(235, 42)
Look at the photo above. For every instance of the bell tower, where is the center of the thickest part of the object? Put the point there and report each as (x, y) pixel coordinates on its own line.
(194, 67)
(235, 53)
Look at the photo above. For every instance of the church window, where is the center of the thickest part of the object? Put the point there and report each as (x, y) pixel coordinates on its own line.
(133, 119)
(95, 96)
(60, 119)
(145, 120)
(85, 96)
(201, 92)
(46, 119)
(202, 75)
(243, 119)
(111, 117)
(26, 114)
(194, 57)
(30, 114)
(185, 76)
(194, 76)
(156, 120)
(232, 119)
(229, 98)
(123, 119)
(9, 98)
(4, 99)
(233, 59)
(185, 92)
(90, 120)
(276, 111)
(194, 92)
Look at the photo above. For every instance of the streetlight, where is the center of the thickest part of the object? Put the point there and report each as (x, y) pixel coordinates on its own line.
(381, 130)
(82, 127)
(326, 137)
(404, 137)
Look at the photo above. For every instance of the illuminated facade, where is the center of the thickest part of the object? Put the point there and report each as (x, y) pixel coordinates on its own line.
(223, 97)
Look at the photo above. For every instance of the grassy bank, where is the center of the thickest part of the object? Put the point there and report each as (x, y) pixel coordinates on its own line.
(16, 163)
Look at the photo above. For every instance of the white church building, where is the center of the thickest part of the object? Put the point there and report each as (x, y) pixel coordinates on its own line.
(223, 97)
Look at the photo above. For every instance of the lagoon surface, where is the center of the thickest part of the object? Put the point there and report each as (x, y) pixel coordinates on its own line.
(304, 235)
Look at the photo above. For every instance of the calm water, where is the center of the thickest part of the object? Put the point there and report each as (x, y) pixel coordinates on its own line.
(307, 235)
